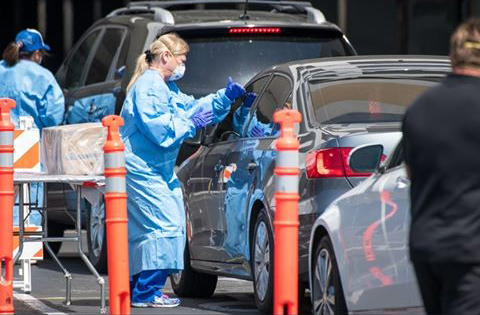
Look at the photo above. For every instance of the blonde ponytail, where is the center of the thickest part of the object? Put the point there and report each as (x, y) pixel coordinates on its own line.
(140, 68)
(168, 42)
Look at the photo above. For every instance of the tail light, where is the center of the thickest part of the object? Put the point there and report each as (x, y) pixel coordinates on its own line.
(331, 162)
(255, 30)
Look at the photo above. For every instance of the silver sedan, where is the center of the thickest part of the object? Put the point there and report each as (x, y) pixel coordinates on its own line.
(358, 249)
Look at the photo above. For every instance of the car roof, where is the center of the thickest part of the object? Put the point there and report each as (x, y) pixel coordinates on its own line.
(194, 12)
(201, 16)
(354, 66)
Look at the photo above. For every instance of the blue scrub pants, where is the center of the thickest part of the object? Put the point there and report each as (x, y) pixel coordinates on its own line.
(147, 284)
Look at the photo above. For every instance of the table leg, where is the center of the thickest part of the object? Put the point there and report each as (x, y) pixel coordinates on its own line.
(21, 224)
(87, 262)
(67, 275)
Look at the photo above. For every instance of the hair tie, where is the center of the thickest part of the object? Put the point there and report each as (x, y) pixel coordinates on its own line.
(148, 55)
(474, 45)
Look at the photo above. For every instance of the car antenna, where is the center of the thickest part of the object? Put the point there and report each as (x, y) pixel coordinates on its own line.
(244, 15)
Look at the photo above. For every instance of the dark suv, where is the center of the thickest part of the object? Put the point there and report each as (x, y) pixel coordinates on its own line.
(226, 38)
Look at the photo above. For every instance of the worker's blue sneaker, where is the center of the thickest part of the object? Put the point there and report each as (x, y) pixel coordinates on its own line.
(159, 301)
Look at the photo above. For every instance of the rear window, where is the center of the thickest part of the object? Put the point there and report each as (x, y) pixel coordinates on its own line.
(211, 60)
(365, 100)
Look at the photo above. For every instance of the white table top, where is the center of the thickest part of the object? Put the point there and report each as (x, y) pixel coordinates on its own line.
(26, 177)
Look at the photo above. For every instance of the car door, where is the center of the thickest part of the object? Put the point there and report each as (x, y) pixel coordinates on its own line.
(206, 185)
(91, 75)
(246, 165)
(377, 246)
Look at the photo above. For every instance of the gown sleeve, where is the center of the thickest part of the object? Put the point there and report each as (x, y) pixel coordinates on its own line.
(155, 117)
(51, 107)
(217, 102)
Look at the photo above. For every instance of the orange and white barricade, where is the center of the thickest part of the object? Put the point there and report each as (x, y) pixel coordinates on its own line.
(26, 141)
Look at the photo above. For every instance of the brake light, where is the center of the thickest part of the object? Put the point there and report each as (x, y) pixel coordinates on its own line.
(255, 30)
(331, 162)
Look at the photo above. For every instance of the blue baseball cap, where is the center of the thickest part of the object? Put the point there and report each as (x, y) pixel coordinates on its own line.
(31, 40)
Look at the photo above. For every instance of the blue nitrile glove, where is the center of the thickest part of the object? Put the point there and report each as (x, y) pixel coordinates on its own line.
(233, 90)
(257, 132)
(202, 118)
(249, 99)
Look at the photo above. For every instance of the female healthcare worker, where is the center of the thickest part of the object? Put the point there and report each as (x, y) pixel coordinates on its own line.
(34, 89)
(32, 86)
(158, 117)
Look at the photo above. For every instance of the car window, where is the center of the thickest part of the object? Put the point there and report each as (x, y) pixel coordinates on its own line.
(104, 55)
(362, 100)
(273, 98)
(233, 124)
(242, 56)
(397, 156)
(75, 66)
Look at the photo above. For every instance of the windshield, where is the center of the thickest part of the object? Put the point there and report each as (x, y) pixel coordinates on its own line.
(365, 100)
(211, 60)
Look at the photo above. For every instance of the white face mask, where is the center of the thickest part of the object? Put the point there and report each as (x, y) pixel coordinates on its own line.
(178, 72)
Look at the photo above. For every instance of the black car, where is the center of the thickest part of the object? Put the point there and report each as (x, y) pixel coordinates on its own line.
(226, 38)
(228, 184)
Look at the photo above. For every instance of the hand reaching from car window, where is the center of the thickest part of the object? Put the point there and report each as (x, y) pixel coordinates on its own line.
(233, 90)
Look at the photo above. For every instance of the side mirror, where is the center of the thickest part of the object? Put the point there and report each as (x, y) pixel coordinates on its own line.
(197, 139)
(365, 159)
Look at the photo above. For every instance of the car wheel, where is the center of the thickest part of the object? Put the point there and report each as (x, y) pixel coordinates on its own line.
(55, 229)
(327, 292)
(190, 283)
(262, 264)
(97, 236)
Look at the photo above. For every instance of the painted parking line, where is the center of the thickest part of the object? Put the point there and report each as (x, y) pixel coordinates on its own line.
(230, 306)
(62, 298)
(232, 279)
(36, 304)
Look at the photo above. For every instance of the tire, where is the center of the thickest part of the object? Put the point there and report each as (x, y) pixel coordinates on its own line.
(54, 229)
(262, 264)
(97, 236)
(190, 283)
(331, 300)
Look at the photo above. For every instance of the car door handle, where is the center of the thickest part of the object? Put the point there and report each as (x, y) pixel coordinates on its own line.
(117, 90)
(402, 182)
(252, 166)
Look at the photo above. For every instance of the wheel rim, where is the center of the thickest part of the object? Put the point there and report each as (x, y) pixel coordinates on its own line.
(261, 260)
(323, 287)
(97, 228)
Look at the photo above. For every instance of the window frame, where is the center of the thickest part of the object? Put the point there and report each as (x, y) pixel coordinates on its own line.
(88, 62)
(110, 77)
(397, 158)
(268, 76)
(258, 100)
(86, 67)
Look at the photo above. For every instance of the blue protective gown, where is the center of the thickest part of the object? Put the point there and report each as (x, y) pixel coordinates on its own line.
(157, 120)
(37, 94)
(35, 91)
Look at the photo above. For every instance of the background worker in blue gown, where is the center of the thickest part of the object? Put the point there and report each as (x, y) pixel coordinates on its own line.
(34, 89)
(158, 117)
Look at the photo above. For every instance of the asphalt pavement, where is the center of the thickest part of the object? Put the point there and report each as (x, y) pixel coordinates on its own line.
(232, 296)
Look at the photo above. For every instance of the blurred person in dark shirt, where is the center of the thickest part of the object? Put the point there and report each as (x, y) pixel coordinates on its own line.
(441, 134)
